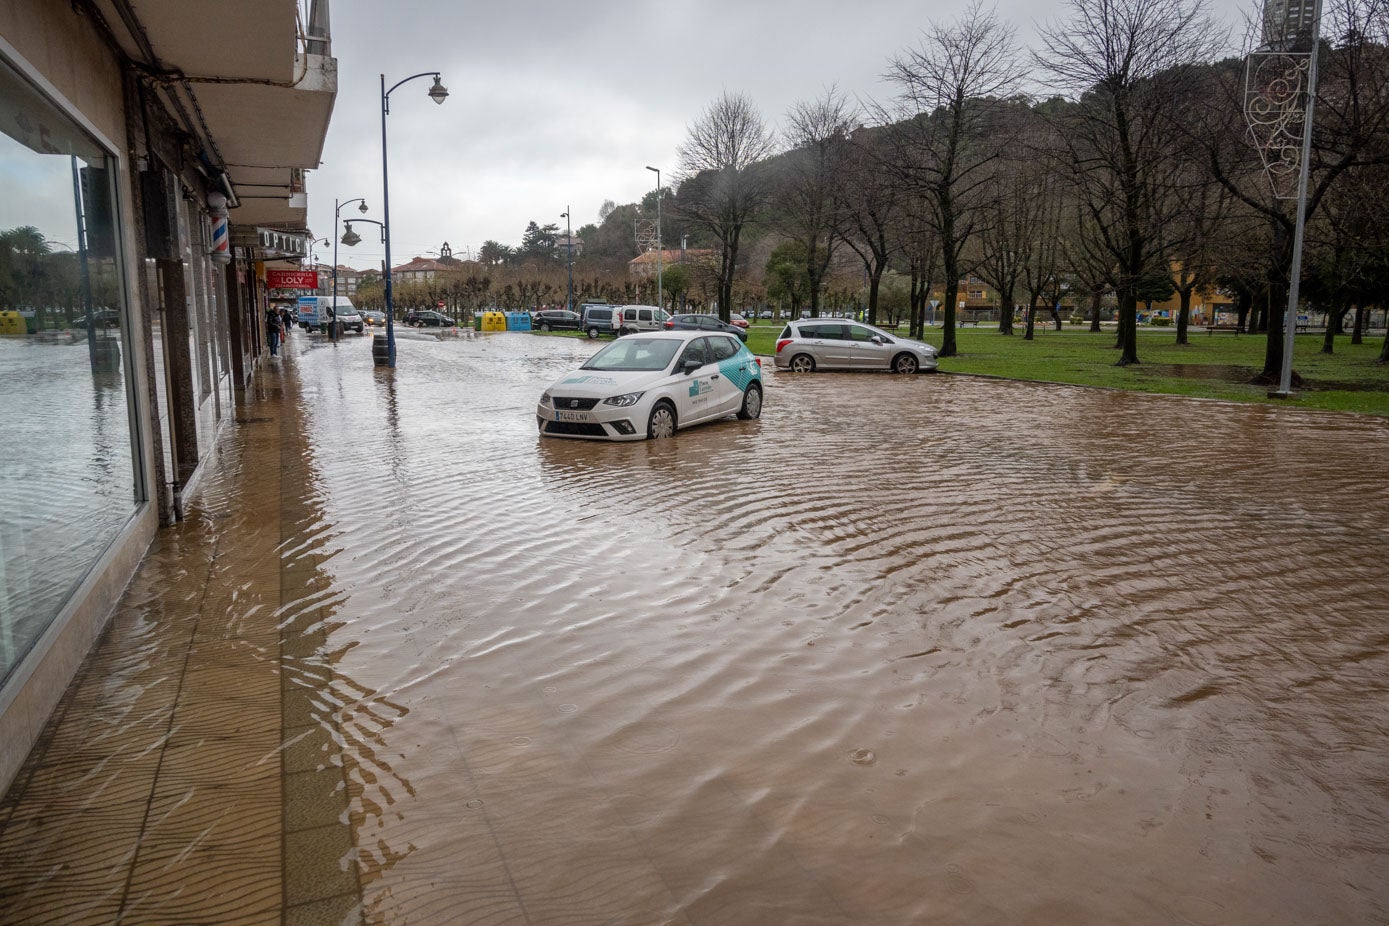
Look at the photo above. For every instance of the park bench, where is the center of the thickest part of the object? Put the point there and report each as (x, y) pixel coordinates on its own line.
(1210, 329)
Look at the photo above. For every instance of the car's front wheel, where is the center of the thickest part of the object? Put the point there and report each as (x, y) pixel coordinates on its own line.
(592, 333)
(662, 421)
(544, 327)
(905, 363)
(752, 403)
(802, 363)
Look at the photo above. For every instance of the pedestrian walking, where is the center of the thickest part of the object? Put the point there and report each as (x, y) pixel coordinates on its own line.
(273, 328)
(287, 323)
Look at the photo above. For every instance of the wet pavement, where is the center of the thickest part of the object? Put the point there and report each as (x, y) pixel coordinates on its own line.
(930, 649)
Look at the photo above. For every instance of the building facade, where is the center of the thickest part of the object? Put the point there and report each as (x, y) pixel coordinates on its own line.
(152, 167)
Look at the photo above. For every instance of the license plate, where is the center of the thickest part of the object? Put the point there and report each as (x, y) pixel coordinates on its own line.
(573, 416)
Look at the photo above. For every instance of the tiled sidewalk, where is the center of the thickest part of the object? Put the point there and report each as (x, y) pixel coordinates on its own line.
(160, 791)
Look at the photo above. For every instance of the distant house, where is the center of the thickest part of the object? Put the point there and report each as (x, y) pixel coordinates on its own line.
(418, 270)
(646, 265)
(347, 280)
(566, 242)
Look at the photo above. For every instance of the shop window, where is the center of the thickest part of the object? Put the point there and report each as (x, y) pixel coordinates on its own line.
(68, 473)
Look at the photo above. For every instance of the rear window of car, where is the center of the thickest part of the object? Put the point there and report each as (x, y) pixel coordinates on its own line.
(723, 347)
(786, 332)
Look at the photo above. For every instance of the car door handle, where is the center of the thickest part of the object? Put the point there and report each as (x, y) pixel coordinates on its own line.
(715, 376)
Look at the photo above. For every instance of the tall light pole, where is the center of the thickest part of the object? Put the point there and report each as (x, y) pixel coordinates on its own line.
(660, 248)
(569, 247)
(438, 93)
(1279, 75)
(337, 209)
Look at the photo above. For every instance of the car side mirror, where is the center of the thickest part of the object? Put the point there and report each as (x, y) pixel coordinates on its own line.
(878, 339)
(689, 366)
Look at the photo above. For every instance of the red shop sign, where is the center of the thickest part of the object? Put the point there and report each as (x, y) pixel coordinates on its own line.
(291, 279)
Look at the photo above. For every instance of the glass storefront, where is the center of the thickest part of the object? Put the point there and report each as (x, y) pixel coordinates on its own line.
(68, 475)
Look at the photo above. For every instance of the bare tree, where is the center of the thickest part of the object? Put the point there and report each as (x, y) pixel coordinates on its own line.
(810, 194)
(1017, 232)
(1199, 223)
(949, 90)
(872, 204)
(723, 179)
(1046, 235)
(1127, 65)
(1349, 135)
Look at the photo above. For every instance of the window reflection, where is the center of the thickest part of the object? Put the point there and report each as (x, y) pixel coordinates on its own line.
(67, 474)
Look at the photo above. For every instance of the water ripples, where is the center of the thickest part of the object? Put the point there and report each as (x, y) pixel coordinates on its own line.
(904, 649)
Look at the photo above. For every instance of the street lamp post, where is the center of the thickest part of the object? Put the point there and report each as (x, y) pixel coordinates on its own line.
(337, 208)
(313, 264)
(660, 248)
(569, 248)
(438, 93)
(352, 239)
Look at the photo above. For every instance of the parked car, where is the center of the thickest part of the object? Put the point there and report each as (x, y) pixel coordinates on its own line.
(428, 318)
(316, 311)
(101, 318)
(817, 344)
(739, 320)
(766, 313)
(647, 385)
(556, 320)
(373, 318)
(704, 323)
(641, 318)
(599, 320)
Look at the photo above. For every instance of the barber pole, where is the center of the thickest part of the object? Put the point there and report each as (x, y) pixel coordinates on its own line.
(221, 240)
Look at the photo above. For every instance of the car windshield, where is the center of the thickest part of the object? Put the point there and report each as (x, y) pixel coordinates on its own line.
(631, 353)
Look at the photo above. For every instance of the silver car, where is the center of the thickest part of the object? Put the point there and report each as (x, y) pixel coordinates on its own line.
(810, 344)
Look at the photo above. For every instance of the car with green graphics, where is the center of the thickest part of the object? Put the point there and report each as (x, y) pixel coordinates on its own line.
(651, 384)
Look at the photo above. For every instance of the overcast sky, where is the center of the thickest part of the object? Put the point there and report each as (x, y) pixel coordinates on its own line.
(556, 104)
(565, 103)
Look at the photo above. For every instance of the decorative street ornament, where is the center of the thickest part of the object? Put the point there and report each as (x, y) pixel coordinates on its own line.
(1276, 91)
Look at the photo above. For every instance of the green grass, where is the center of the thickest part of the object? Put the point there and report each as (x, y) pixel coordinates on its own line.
(1216, 366)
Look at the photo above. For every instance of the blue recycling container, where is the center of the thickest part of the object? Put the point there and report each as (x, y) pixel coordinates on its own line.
(518, 321)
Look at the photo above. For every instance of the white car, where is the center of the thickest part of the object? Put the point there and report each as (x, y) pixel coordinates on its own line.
(648, 385)
(810, 344)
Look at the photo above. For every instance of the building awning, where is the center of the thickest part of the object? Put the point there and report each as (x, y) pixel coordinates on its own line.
(247, 83)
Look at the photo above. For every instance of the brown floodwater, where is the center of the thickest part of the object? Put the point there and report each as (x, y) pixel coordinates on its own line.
(906, 650)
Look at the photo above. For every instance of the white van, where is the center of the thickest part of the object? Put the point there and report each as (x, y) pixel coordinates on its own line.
(316, 311)
(641, 318)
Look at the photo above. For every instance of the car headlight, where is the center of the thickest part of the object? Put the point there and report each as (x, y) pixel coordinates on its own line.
(544, 398)
(625, 401)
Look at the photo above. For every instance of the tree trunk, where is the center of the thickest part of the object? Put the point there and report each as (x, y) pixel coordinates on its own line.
(1128, 328)
(1273, 338)
(874, 280)
(1031, 325)
(1096, 297)
(1333, 328)
(1005, 311)
(1184, 315)
(1358, 332)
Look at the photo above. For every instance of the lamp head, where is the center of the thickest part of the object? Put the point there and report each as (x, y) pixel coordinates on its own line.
(438, 93)
(362, 207)
(349, 237)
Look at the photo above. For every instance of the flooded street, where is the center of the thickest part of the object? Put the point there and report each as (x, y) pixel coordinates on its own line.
(906, 650)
